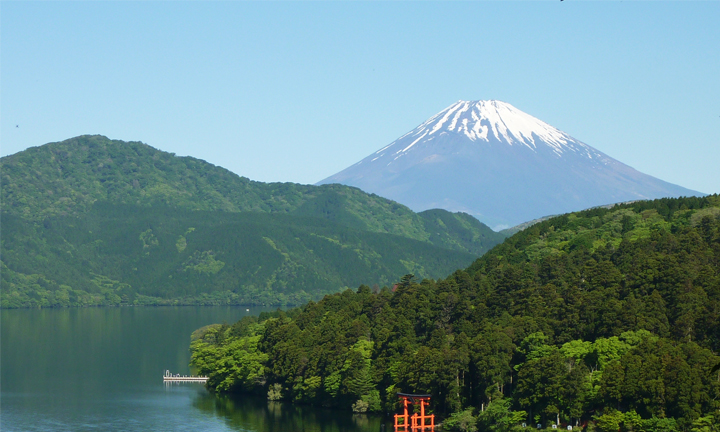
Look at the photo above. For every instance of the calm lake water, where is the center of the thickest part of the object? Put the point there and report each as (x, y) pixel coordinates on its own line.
(100, 369)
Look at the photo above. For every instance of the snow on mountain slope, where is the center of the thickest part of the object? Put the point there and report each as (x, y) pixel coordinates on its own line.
(503, 166)
(476, 120)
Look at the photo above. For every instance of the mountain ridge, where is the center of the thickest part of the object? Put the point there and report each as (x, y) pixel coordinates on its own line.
(67, 177)
(94, 221)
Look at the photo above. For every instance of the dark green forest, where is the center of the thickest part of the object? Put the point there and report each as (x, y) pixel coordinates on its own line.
(607, 319)
(91, 221)
(122, 254)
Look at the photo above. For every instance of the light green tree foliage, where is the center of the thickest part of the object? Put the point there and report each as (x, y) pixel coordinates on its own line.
(606, 350)
(275, 392)
(709, 423)
(332, 384)
(148, 239)
(237, 364)
(356, 372)
(612, 420)
(635, 338)
(462, 421)
(358, 379)
(577, 350)
(535, 345)
(360, 406)
(655, 424)
(632, 421)
(306, 388)
(499, 417)
(609, 421)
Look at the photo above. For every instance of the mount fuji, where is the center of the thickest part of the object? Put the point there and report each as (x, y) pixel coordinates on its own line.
(499, 164)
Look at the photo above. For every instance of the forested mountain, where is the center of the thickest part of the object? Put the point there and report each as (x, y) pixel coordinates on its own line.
(607, 318)
(93, 221)
(68, 177)
(125, 254)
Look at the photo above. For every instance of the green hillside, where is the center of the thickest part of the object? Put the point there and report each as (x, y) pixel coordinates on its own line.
(607, 318)
(68, 177)
(92, 221)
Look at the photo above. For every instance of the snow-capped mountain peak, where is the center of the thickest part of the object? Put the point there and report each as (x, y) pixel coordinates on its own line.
(486, 119)
(491, 160)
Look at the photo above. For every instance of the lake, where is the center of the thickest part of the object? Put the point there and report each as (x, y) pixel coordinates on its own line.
(100, 369)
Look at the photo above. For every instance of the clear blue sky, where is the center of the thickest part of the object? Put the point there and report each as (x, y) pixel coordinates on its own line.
(297, 91)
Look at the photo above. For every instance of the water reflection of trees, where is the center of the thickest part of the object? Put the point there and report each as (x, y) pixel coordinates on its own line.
(260, 415)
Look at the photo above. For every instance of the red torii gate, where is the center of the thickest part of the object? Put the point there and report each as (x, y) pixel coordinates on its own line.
(417, 422)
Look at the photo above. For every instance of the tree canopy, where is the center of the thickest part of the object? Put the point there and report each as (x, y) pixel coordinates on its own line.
(608, 316)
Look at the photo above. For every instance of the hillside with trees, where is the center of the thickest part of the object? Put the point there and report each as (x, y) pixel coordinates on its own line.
(93, 221)
(607, 319)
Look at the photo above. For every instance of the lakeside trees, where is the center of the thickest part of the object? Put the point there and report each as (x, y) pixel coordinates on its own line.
(609, 316)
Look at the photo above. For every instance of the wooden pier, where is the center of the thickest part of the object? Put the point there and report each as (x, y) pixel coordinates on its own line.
(169, 377)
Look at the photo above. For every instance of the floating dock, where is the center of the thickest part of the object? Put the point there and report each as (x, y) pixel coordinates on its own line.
(169, 377)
